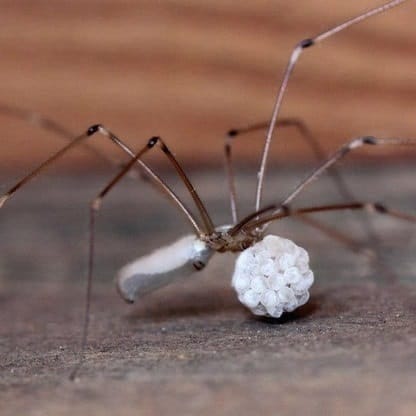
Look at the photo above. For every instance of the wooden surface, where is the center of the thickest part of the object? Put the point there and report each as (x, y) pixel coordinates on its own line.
(189, 70)
(192, 348)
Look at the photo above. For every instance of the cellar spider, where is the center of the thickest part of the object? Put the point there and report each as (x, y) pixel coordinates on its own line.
(272, 274)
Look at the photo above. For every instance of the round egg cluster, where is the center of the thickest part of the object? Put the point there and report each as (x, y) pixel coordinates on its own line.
(273, 276)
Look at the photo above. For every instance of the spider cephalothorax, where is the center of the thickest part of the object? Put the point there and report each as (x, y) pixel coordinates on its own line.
(222, 241)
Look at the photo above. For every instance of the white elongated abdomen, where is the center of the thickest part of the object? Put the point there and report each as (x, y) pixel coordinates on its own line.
(273, 276)
(162, 267)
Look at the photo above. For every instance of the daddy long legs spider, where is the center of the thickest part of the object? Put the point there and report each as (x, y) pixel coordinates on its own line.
(272, 274)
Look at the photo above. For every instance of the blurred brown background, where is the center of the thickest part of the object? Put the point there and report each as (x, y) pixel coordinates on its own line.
(190, 70)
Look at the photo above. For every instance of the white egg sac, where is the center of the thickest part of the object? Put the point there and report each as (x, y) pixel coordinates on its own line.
(273, 276)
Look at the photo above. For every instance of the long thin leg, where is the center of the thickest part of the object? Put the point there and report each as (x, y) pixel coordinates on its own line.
(53, 126)
(331, 232)
(95, 205)
(371, 207)
(339, 154)
(368, 206)
(310, 139)
(94, 208)
(152, 142)
(106, 133)
(229, 169)
(337, 179)
(342, 152)
(336, 235)
(209, 226)
(305, 134)
(306, 43)
(367, 249)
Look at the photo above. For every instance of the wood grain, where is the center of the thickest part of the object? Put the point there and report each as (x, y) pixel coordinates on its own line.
(190, 70)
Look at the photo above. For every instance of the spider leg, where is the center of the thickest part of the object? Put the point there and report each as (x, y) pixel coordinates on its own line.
(371, 254)
(338, 180)
(305, 134)
(209, 225)
(51, 125)
(297, 51)
(32, 117)
(287, 211)
(341, 153)
(337, 235)
(96, 203)
(48, 124)
(280, 209)
(95, 206)
(166, 190)
(368, 249)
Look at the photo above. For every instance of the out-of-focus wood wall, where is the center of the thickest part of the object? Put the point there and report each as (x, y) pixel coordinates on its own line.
(189, 70)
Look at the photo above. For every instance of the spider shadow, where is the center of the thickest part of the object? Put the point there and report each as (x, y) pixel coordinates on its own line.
(301, 313)
(218, 300)
(323, 303)
(169, 303)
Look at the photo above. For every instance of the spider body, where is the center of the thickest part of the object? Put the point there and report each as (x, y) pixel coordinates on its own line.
(271, 274)
(178, 260)
(222, 241)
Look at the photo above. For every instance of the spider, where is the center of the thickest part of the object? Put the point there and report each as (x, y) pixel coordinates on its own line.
(272, 274)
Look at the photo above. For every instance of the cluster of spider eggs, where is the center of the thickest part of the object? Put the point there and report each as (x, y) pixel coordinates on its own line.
(273, 277)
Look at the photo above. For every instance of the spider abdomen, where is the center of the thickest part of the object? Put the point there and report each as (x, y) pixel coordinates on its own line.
(273, 276)
(163, 266)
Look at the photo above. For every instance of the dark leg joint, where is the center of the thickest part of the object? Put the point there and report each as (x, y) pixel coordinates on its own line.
(306, 43)
(232, 133)
(93, 129)
(152, 141)
(286, 209)
(370, 140)
(380, 208)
